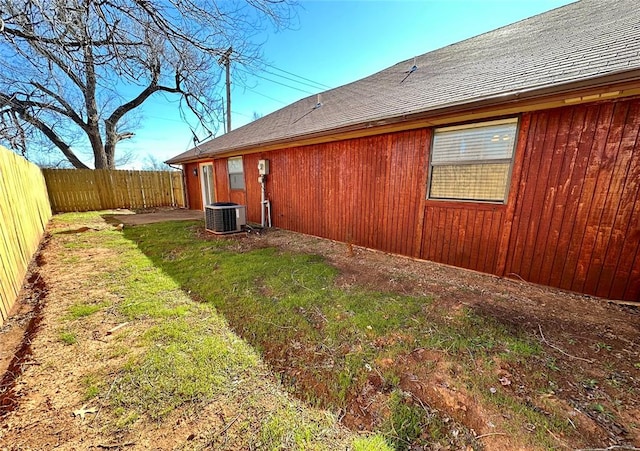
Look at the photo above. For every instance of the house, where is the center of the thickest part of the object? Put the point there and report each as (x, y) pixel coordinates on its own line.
(515, 153)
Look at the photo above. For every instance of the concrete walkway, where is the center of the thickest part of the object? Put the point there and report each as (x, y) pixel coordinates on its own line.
(131, 218)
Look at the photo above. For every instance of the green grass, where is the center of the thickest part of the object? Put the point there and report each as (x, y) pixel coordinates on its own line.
(411, 423)
(68, 338)
(93, 386)
(175, 354)
(281, 300)
(406, 422)
(283, 430)
(373, 443)
(77, 219)
(189, 361)
(528, 415)
(77, 311)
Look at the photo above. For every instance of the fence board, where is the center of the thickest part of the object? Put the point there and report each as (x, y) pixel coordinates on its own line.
(85, 189)
(24, 214)
(177, 187)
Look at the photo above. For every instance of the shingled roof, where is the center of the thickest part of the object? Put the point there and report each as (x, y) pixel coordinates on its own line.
(581, 42)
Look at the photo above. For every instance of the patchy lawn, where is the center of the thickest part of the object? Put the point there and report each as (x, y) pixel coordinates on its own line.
(424, 354)
(117, 356)
(131, 331)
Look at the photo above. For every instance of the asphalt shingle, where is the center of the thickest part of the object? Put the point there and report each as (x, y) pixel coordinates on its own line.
(581, 41)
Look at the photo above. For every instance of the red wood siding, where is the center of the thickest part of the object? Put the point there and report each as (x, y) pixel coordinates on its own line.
(577, 221)
(363, 191)
(194, 191)
(572, 218)
(252, 193)
(471, 234)
(462, 235)
(221, 181)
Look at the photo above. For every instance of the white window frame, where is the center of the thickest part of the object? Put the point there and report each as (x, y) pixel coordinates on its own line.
(472, 161)
(237, 173)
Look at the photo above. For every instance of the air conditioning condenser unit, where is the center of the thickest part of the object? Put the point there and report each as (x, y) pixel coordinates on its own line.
(225, 217)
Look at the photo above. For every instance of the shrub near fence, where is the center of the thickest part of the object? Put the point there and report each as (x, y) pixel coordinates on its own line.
(86, 189)
(24, 214)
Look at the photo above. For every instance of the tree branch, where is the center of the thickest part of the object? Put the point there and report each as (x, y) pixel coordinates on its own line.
(58, 62)
(107, 41)
(144, 95)
(15, 103)
(68, 110)
(54, 138)
(71, 62)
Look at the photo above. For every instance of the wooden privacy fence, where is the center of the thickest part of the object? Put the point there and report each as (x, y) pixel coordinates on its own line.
(24, 214)
(86, 189)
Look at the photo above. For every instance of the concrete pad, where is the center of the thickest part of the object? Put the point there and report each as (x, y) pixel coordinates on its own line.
(158, 216)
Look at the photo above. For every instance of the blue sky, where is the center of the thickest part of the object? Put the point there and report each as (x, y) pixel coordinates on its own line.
(332, 43)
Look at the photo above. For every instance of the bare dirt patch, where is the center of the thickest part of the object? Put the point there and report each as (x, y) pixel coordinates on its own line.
(19, 332)
(62, 369)
(592, 346)
(588, 372)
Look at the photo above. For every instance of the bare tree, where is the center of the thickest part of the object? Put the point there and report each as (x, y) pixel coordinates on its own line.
(151, 163)
(82, 66)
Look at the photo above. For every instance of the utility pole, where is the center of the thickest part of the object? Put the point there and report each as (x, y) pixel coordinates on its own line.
(226, 61)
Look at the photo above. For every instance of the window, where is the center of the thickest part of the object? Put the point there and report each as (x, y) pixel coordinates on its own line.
(472, 162)
(236, 173)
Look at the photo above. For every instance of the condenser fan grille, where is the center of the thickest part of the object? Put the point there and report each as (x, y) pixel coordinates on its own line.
(224, 217)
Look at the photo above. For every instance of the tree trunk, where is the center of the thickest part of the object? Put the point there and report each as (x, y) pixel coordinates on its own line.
(100, 161)
(111, 137)
(100, 157)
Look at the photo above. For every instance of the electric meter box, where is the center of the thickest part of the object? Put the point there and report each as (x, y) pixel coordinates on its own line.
(263, 167)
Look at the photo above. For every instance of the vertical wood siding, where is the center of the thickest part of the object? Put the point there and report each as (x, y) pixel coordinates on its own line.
(577, 221)
(253, 189)
(462, 235)
(194, 189)
(363, 191)
(572, 218)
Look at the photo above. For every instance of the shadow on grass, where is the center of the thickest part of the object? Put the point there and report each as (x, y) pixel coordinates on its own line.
(329, 343)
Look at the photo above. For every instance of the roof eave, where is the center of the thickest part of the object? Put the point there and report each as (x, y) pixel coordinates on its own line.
(612, 80)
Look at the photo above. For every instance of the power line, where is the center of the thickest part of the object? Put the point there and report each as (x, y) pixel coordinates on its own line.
(284, 84)
(267, 97)
(298, 76)
(277, 82)
(242, 114)
(294, 80)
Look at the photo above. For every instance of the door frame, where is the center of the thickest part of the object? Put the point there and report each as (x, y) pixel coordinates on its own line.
(212, 192)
